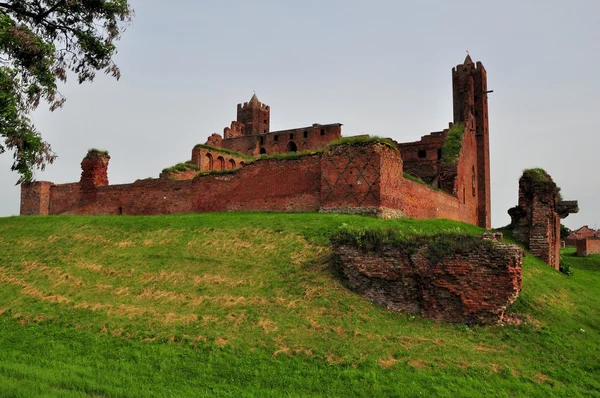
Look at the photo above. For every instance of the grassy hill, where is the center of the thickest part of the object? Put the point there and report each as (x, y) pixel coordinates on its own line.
(245, 304)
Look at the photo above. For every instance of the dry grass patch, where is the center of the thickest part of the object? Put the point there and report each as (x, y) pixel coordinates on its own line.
(267, 325)
(417, 363)
(387, 363)
(221, 342)
(283, 349)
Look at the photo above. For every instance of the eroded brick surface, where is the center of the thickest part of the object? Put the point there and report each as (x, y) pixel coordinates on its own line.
(474, 288)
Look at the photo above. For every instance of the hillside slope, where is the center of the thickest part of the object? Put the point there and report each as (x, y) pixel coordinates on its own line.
(246, 304)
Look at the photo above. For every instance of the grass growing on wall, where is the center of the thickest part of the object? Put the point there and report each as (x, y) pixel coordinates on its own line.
(224, 150)
(364, 139)
(96, 152)
(181, 167)
(453, 144)
(245, 304)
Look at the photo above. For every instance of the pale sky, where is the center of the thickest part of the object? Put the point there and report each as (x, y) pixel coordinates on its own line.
(378, 67)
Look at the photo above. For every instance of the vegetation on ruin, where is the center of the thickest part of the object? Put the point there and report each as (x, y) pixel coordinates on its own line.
(181, 167)
(362, 139)
(246, 304)
(96, 152)
(42, 42)
(453, 144)
(540, 176)
(537, 175)
(438, 244)
(291, 155)
(224, 150)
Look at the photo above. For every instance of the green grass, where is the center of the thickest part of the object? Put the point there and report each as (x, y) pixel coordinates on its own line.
(224, 150)
(181, 167)
(361, 139)
(453, 144)
(245, 304)
(96, 152)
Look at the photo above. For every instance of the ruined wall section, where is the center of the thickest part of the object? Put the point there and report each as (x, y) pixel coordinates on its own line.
(423, 158)
(472, 286)
(535, 221)
(207, 159)
(294, 140)
(588, 246)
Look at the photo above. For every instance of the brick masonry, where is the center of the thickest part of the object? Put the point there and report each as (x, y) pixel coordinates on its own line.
(362, 179)
(474, 287)
(588, 246)
(535, 221)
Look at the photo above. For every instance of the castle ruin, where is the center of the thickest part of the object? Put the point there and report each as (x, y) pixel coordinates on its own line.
(446, 174)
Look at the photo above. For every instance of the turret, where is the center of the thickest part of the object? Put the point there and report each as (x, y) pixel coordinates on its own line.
(255, 116)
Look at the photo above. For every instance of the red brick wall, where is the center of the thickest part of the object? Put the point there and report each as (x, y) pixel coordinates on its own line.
(65, 198)
(420, 201)
(35, 198)
(475, 286)
(588, 246)
(291, 185)
(361, 178)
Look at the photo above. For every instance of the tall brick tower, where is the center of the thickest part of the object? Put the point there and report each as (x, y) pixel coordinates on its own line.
(469, 87)
(255, 116)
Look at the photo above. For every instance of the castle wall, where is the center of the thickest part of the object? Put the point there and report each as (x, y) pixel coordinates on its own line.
(588, 246)
(361, 179)
(292, 185)
(35, 198)
(421, 201)
(306, 138)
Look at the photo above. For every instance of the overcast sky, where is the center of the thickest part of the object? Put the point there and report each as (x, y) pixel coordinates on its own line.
(378, 67)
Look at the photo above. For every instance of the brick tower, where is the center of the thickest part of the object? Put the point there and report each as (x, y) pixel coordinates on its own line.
(255, 116)
(469, 87)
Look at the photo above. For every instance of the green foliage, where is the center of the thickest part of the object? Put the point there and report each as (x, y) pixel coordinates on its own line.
(245, 304)
(41, 41)
(181, 167)
(414, 178)
(361, 139)
(453, 144)
(564, 232)
(96, 152)
(224, 150)
(566, 269)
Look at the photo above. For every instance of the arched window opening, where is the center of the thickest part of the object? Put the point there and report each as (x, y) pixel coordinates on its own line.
(422, 153)
(263, 151)
(231, 164)
(210, 162)
(291, 147)
(242, 164)
(220, 163)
